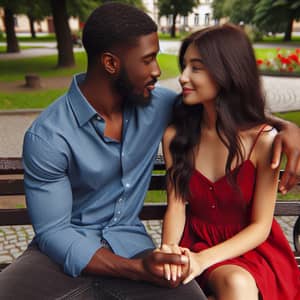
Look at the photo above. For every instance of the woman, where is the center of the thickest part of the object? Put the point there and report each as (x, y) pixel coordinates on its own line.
(218, 151)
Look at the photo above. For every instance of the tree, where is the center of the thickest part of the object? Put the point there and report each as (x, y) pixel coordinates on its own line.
(277, 16)
(238, 11)
(175, 8)
(63, 33)
(10, 8)
(292, 12)
(36, 11)
(217, 7)
(137, 3)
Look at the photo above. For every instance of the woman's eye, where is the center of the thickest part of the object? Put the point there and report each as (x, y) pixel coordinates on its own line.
(197, 68)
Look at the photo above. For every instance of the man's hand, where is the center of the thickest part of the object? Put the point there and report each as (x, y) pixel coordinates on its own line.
(288, 142)
(154, 265)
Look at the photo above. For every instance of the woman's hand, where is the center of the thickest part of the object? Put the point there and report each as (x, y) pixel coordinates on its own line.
(172, 271)
(197, 264)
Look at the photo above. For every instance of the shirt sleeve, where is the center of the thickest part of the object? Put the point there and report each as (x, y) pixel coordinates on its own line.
(49, 201)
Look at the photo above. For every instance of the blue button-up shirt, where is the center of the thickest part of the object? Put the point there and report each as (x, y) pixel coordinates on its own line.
(82, 187)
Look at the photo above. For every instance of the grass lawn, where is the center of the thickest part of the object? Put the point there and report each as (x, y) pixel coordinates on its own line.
(13, 70)
(293, 116)
(279, 39)
(29, 100)
(3, 48)
(45, 66)
(44, 38)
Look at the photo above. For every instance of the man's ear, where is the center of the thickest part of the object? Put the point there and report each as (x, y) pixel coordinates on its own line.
(110, 63)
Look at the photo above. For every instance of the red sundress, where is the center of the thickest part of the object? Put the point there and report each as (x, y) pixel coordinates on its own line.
(217, 212)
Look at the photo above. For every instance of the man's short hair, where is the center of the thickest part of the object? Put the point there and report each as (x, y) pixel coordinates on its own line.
(114, 24)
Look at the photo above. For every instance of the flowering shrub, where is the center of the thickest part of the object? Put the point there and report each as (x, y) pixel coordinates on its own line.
(285, 61)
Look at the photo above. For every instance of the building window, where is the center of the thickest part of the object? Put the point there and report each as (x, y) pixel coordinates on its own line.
(170, 19)
(207, 19)
(196, 19)
(185, 20)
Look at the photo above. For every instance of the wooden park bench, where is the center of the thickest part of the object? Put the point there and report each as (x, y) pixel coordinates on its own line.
(10, 186)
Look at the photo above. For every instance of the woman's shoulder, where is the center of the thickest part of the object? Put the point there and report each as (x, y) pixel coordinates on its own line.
(262, 138)
(262, 133)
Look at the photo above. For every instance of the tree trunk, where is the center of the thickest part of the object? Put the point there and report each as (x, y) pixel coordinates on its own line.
(173, 28)
(31, 23)
(63, 34)
(12, 44)
(288, 30)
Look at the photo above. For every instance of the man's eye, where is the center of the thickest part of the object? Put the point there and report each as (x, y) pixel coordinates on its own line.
(148, 60)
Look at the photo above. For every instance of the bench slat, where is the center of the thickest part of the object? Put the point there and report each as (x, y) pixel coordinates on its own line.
(11, 165)
(11, 187)
(17, 216)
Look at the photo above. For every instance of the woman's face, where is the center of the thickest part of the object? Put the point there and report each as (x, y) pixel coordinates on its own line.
(197, 84)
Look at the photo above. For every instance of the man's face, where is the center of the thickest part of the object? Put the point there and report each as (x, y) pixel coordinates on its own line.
(140, 70)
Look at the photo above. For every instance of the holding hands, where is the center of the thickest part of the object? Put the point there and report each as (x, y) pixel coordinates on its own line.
(173, 272)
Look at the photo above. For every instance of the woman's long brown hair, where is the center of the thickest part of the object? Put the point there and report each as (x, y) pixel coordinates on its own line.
(228, 56)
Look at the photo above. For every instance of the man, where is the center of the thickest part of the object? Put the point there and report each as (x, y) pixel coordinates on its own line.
(88, 160)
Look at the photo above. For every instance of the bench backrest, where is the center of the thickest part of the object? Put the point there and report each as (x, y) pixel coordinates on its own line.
(10, 186)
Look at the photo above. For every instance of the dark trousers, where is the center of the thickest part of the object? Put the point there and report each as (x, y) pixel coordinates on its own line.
(34, 276)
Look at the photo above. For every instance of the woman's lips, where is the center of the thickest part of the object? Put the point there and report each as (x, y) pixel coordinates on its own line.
(186, 91)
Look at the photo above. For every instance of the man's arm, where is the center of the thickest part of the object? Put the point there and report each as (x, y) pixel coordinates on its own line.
(287, 141)
(49, 201)
(148, 268)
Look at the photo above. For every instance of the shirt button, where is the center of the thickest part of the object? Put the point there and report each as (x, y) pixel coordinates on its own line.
(120, 200)
(213, 206)
(126, 120)
(211, 188)
(127, 185)
(98, 118)
(118, 212)
(115, 219)
(122, 153)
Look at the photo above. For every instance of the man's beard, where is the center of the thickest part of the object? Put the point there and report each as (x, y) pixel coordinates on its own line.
(126, 89)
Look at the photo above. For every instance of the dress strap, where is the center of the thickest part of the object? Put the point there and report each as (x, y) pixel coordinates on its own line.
(256, 138)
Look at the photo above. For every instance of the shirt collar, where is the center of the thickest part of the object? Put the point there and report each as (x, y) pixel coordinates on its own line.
(82, 109)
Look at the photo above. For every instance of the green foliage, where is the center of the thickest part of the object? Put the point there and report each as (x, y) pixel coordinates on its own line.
(81, 8)
(217, 7)
(37, 9)
(238, 11)
(253, 33)
(270, 18)
(175, 7)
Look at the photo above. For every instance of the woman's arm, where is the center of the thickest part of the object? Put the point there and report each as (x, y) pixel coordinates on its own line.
(261, 217)
(174, 219)
(285, 142)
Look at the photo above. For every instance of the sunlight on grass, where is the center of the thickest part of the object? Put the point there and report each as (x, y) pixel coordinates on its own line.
(36, 99)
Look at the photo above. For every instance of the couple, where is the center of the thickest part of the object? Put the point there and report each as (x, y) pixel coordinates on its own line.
(88, 160)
